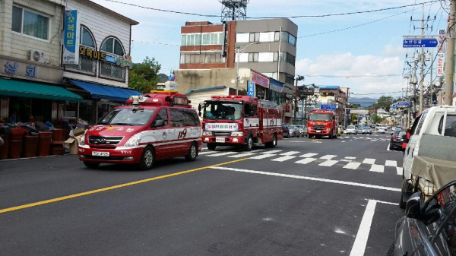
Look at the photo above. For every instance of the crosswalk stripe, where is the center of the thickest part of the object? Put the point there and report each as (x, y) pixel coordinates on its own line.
(274, 151)
(399, 170)
(327, 157)
(306, 160)
(352, 165)
(289, 153)
(223, 154)
(242, 155)
(351, 157)
(328, 163)
(377, 168)
(390, 163)
(309, 155)
(369, 161)
(207, 152)
(283, 158)
(262, 156)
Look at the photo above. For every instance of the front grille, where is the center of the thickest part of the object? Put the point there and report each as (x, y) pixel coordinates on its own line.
(100, 140)
(319, 127)
(224, 134)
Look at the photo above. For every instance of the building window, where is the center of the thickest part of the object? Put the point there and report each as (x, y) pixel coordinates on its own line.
(203, 58)
(86, 64)
(242, 37)
(108, 68)
(254, 37)
(267, 37)
(202, 39)
(30, 23)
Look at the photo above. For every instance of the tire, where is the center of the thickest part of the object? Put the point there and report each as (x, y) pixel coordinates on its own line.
(391, 147)
(331, 135)
(402, 202)
(91, 165)
(249, 143)
(192, 153)
(211, 146)
(273, 143)
(147, 159)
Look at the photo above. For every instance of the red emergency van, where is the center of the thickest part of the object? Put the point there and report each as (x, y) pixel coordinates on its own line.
(150, 127)
(322, 122)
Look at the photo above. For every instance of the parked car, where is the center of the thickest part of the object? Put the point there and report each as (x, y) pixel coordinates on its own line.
(381, 128)
(351, 129)
(397, 138)
(294, 131)
(366, 130)
(428, 227)
(286, 130)
(302, 130)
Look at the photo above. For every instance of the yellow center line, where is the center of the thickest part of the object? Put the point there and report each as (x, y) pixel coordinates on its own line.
(20, 207)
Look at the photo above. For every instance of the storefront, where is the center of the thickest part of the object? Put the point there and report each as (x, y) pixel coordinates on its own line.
(287, 103)
(275, 91)
(261, 84)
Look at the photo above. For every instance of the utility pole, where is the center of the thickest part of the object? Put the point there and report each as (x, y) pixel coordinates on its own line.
(449, 58)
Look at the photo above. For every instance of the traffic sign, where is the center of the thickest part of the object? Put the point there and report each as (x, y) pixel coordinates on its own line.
(394, 106)
(420, 42)
(329, 107)
(403, 104)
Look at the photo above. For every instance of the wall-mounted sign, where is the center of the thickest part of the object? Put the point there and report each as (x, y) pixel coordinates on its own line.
(71, 37)
(11, 68)
(89, 52)
(275, 85)
(250, 89)
(260, 79)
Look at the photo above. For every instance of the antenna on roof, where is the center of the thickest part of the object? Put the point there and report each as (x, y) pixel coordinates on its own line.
(234, 9)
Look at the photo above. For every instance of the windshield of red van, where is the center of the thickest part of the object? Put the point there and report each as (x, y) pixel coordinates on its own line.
(219, 110)
(126, 116)
(320, 117)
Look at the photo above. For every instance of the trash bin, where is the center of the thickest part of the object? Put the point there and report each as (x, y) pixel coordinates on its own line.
(29, 146)
(44, 143)
(57, 134)
(15, 143)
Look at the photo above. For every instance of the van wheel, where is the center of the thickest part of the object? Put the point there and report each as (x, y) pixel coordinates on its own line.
(211, 146)
(273, 143)
(331, 135)
(192, 153)
(249, 145)
(403, 202)
(91, 165)
(147, 159)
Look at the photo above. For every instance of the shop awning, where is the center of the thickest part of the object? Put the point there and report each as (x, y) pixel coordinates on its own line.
(16, 88)
(99, 91)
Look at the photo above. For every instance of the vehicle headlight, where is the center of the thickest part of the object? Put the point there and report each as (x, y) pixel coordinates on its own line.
(82, 141)
(206, 133)
(328, 129)
(237, 134)
(134, 140)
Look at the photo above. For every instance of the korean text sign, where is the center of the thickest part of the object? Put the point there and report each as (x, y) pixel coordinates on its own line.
(71, 38)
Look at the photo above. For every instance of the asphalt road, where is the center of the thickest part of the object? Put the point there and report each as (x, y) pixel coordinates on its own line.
(304, 197)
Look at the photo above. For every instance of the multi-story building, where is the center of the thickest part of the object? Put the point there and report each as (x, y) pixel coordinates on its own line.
(30, 66)
(100, 75)
(236, 52)
(334, 96)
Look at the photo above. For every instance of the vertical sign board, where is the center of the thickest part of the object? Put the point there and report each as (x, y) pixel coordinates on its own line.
(441, 53)
(250, 89)
(71, 38)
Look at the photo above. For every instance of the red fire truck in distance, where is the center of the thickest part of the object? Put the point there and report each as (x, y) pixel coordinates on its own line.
(321, 122)
(153, 126)
(240, 120)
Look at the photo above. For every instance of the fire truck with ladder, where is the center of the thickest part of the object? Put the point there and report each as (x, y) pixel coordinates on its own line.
(321, 122)
(240, 120)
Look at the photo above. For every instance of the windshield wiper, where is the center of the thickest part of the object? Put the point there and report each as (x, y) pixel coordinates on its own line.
(120, 124)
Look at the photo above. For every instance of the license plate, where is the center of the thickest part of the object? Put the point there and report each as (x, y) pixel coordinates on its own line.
(96, 153)
(220, 140)
(317, 131)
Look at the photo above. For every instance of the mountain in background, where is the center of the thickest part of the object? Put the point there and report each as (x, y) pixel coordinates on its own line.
(363, 102)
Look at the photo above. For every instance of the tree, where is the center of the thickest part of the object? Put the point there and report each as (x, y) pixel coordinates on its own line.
(376, 119)
(355, 106)
(144, 77)
(383, 102)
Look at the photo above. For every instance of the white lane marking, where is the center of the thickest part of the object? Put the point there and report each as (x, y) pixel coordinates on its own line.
(266, 155)
(381, 202)
(242, 155)
(343, 141)
(390, 163)
(283, 158)
(328, 163)
(289, 153)
(328, 157)
(306, 160)
(223, 154)
(399, 170)
(207, 152)
(369, 161)
(352, 165)
(351, 157)
(377, 168)
(345, 160)
(309, 155)
(359, 246)
(274, 151)
(349, 183)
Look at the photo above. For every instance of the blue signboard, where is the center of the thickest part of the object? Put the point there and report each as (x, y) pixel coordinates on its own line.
(428, 42)
(250, 89)
(329, 107)
(71, 38)
(403, 104)
(394, 106)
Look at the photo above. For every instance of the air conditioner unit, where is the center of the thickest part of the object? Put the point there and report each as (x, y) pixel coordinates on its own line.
(35, 55)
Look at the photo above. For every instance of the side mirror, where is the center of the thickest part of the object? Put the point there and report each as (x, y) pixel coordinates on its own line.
(158, 123)
(413, 206)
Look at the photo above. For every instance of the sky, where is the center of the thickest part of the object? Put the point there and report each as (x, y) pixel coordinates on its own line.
(349, 43)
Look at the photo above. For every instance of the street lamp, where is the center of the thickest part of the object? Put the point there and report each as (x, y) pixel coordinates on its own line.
(238, 51)
(297, 78)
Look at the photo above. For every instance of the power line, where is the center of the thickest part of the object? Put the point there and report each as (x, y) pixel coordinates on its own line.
(353, 76)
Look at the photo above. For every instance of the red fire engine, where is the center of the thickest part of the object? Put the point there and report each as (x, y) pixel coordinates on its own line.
(322, 122)
(153, 126)
(240, 120)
